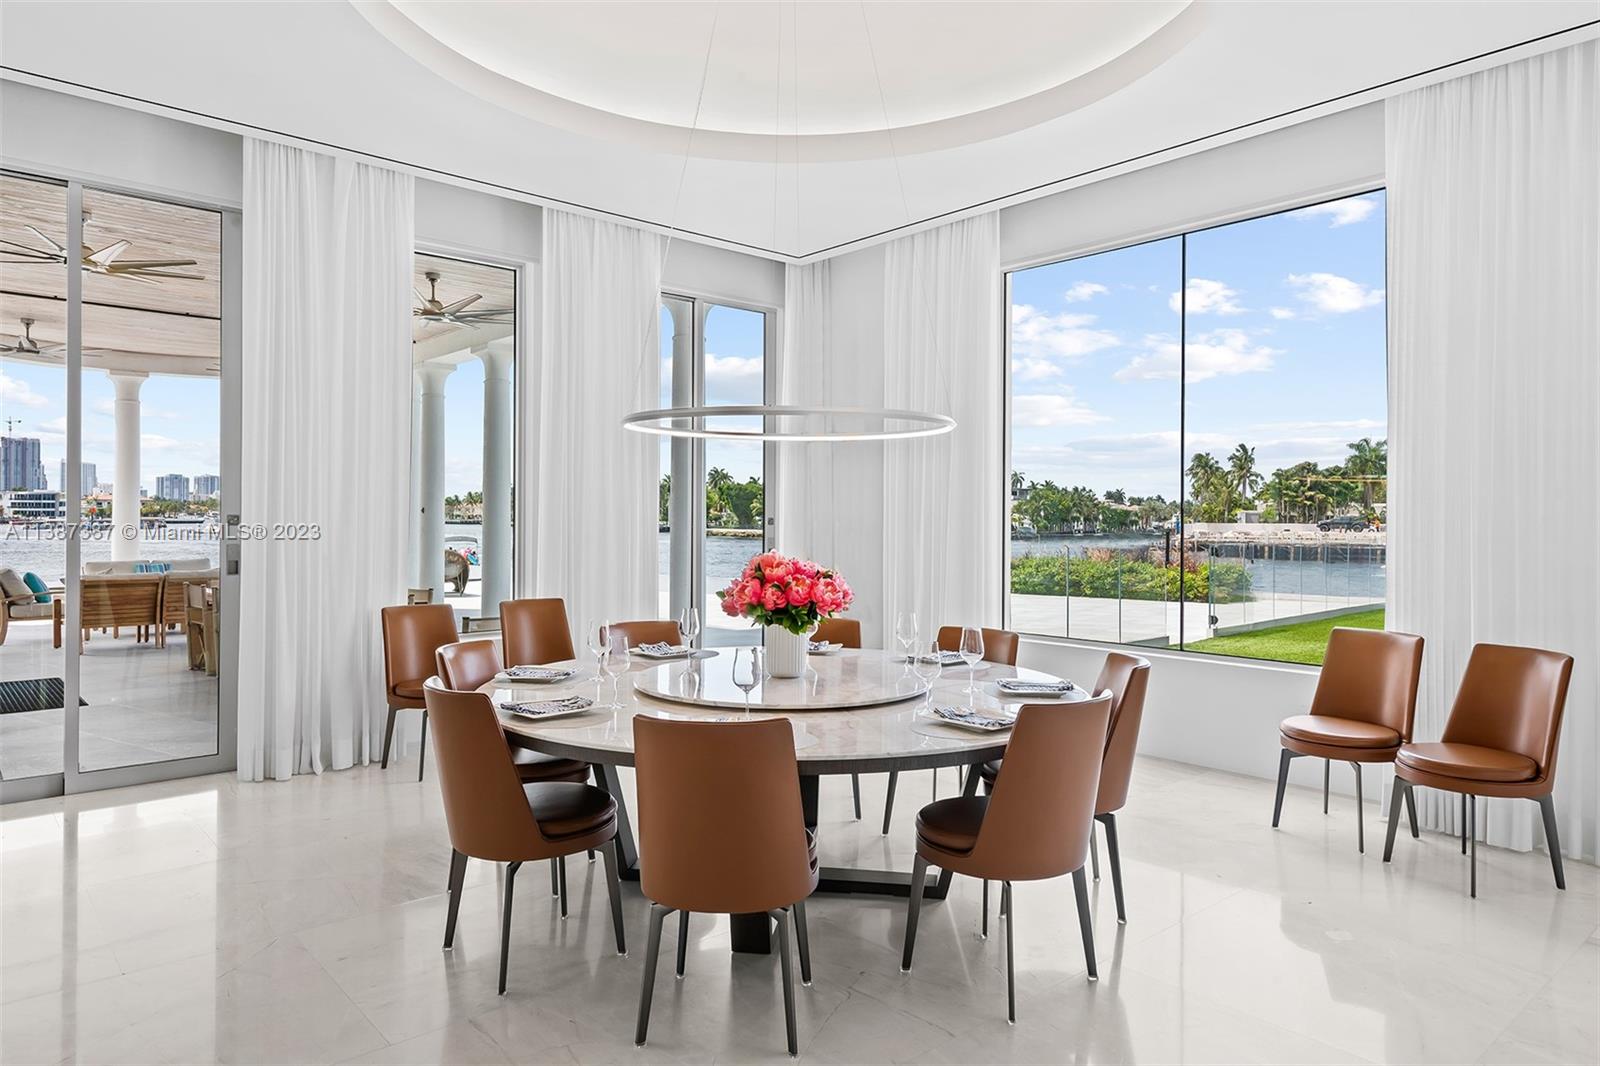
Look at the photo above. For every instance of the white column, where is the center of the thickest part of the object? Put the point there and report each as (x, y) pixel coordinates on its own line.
(497, 444)
(430, 502)
(125, 488)
(680, 509)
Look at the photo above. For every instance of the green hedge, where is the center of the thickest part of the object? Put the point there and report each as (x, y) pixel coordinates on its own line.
(1043, 575)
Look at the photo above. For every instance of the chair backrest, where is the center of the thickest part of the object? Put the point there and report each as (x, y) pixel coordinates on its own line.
(845, 631)
(411, 635)
(132, 599)
(1512, 699)
(720, 819)
(1041, 811)
(648, 632)
(468, 665)
(484, 806)
(1370, 675)
(999, 645)
(535, 631)
(1126, 678)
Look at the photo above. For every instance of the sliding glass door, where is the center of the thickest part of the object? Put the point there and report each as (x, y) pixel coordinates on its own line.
(120, 346)
(712, 514)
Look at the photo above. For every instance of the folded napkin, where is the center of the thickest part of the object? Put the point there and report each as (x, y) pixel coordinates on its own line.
(946, 658)
(539, 673)
(818, 645)
(966, 716)
(661, 647)
(1017, 684)
(547, 708)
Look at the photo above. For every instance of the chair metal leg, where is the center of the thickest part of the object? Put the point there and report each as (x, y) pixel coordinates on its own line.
(614, 888)
(983, 929)
(1011, 959)
(1361, 819)
(1552, 839)
(855, 792)
(683, 942)
(422, 748)
(788, 983)
(458, 873)
(591, 855)
(1411, 811)
(934, 774)
(919, 873)
(388, 738)
(555, 880)
(561, 872)
(802, 935)
(1114, 852)
(1400, 789)
(505, 925)
(888, 803)
(1094, 853)
(1284, 758)
(1080, 886)
(1327, 773)
(1463, 823)
(1472, 840)
(658, 913)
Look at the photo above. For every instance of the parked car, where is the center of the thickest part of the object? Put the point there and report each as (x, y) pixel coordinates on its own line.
(1347, 522)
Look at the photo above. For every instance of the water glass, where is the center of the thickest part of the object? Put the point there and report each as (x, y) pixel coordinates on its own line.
(905, 630)
(746, 671)
(926, 665)
(596, 636)
(614, 660)
(689, 625)
(971, 652)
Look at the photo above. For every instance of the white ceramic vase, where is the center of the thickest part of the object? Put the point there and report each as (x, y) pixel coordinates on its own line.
(786, 652)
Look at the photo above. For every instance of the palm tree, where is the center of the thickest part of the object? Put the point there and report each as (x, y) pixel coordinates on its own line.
(1242, 476)
(1368, 459)
(1017, 481)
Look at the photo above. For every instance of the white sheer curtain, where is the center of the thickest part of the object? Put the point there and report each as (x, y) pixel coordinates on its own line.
(599, 360)
(1494, 354)
(327, 420)
(805, 377)
(943, 505)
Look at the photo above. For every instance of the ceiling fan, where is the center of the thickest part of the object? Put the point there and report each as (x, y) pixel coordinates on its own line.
(26, 345)
(456, 314)
(107, 260)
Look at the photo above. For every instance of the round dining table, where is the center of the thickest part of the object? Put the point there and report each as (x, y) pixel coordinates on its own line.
(852, 712)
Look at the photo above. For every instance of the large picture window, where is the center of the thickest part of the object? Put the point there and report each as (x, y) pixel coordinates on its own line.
(1198, 437)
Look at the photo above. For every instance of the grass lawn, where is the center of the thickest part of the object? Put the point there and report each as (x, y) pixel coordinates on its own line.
(1298, 642)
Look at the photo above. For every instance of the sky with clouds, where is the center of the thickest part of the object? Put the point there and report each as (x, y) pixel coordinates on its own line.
(1284, 350)
(735, 368)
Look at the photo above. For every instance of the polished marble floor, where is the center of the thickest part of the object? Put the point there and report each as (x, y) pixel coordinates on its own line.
(301, 922)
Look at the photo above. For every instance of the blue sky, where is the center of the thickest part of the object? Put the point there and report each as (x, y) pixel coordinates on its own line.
(735, 346)
(1286, 350)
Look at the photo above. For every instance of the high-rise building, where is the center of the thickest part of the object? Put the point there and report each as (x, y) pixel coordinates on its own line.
(172, 487)
(20, 467)
(207, 484)
(86, 478)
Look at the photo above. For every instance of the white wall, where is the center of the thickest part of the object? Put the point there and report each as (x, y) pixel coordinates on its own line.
(468, 222)
(700, 270)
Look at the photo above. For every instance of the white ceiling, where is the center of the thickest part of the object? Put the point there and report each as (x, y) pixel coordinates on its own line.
(585, 104)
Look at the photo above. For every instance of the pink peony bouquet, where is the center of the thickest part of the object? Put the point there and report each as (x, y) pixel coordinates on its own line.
(776, 590)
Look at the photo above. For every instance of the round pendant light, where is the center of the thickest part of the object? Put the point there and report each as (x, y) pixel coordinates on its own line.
(780, 422)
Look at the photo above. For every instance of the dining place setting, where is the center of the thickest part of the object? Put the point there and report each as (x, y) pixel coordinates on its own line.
(730, 748)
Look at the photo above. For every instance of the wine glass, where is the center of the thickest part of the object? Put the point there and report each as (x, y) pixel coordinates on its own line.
(927, 666)
(746, 672)
(971, 652)
(615, 663)
(596, 636)
(905, 630)
(689, 625)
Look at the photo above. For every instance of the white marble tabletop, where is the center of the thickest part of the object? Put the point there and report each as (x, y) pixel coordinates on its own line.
(885, 736)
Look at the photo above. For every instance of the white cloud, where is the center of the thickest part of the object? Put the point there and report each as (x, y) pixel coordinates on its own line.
(1036, 334)
(1084, 290)
(1057, 409)
(732, 367)
(1332, 294)
(1281, 313)
(19, 393)
(1340, 212)
(1207, 297)
(1220, 353)
(1034, 369)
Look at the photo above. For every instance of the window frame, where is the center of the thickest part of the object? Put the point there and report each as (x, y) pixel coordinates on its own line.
(1181, 230)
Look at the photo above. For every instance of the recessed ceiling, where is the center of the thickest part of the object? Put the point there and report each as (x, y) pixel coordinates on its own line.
(764, 69)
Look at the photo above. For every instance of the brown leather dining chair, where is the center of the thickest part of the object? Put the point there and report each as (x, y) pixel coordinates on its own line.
(999, 646)
(651, 631)
(535, 631)
(467, 667)
(493, 815)
(1035, 825)
(1500, 741)
(411, 636)
(1362, 712)
(1126, 677)
(723, 832)
(846, 632)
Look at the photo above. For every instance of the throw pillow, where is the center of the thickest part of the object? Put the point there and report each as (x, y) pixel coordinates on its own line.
(41, 591)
